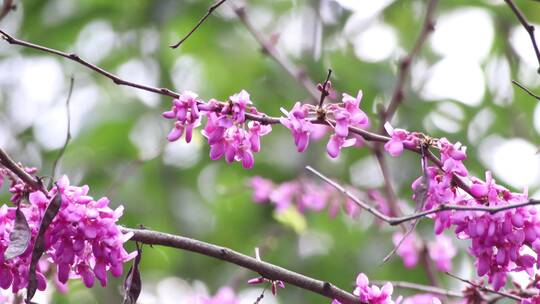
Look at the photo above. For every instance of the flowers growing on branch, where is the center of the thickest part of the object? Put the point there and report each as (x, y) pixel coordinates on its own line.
(82, 241)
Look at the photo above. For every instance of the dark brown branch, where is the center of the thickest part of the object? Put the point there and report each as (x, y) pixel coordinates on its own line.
(405, 64)
(268, 48)
(211, 9)
(28, 179)
(528, 27)
(526, 90)
(398, 220)
(486, 289)
(7, 7)
(265, 269)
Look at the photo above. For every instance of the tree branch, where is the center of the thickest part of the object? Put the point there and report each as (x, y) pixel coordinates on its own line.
(393, 221)
(526, 90)
(265, 269)
(528, 27)
(405, 64)
(211, 9)
(7, 7)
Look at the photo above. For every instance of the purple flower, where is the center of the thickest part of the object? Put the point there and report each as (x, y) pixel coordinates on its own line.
(442, 251)
(83, 240)
(337, 142)
(298, 124)
(237, 106)
(409, 248)
(185, 110)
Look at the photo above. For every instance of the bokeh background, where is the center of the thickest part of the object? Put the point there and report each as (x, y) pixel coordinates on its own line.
(460, 88)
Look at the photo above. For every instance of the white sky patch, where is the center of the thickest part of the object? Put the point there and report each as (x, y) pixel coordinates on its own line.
(513, 161)
(479, 125)
(181, 154)
(186, 73)
(447, 117)
(365, 9)
(521, 42)
(465, 32)
(378, 42)
(144, 72)
(95, 41)
(313, 243)
(537, 118)
(455, 78)
(148, 136)
(499, 80)
(366, 173)
(39, 83)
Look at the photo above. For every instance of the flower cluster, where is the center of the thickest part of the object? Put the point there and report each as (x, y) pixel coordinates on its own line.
(82, 241)
(16, 187)
(499, 241)
(346, 115)
(441, 250)
(225, 129)
(303, 194)
(383, 295)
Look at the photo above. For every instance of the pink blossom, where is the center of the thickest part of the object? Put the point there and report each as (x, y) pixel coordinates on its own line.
(400, 138)
(409, 249)
(300, 127)
(262, 188)
(423, 298)
(373, 294)
(82, 241)
(185, 110)
(237, 106)
(337, 142)
(442, 251)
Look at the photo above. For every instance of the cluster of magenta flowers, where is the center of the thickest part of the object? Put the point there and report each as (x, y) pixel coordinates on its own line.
(373, 294)
(226, 129)
(500, 241)
(345, 114)
(441, 250)
(232, 137)
(303, 194)
(83, 241)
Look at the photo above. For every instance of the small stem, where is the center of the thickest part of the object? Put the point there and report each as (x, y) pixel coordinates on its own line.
(211, 9)
(324, 89)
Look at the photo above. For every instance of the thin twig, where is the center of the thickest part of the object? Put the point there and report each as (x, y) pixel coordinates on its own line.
(265, 269)
(68, 133)
(211, 9)
(71, 56)
(324, 88)
(268, 48)
(405, 64)
(525, 89)
(528, 27)
(443, 207)
(424, 288)
(484, 288)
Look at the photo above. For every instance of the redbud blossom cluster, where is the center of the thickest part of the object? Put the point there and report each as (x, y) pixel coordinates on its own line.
(83, 241)
(231, 137)
(226, 129)
(303, 194)
(499, 242)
